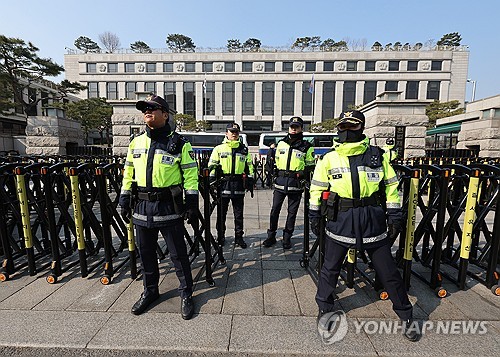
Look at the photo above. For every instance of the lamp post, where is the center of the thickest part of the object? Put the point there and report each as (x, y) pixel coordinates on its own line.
(473, 88)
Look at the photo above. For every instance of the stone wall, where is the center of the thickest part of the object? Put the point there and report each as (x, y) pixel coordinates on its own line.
(50, 135)
(482, 133)
(382, 117)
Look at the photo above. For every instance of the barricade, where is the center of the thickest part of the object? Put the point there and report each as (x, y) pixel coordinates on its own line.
(52, 207)
(447, 211)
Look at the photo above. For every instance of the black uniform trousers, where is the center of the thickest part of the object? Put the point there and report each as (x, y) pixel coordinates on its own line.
(293, 207)
(147, 239)
(238, 203)
(386, 270)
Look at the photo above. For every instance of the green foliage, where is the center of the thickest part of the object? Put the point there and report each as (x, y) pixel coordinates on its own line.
(377, 46)
(86, 45)
(92, 113)
(315, 42)
(327, 45)
(252, 45)
(437, 110)
(186, 122)
(326, 126)
(302, 43)
(20, 67)
(234, 45)
(140, 47)
(180, 43)
(450, 39)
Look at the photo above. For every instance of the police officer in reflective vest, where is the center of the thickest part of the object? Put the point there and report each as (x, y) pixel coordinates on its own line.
(294, 161)
(161, 163)
(389, 148)
(234, 161)
(352, 172)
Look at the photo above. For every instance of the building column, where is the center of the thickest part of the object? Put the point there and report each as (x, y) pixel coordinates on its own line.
(238, 97)
(444, 91)
(198, 87)
(339, 96)
(422, 90)
(278, 98)
(179, 95)
(318, 102)
(218, 100)
(360, 91)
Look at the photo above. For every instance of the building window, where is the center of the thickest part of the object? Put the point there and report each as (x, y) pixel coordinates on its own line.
(169, 93)
(268, 98)
(269, 66)
(328, 66)
(227, 98)
(208, 67)
(228, 66)
(248, 98)
(391, 86)
(370, 91)
(393, 65)
(150, 67)
(45, 99)
(306, 99)
(150, 87)
(287, 66)
(189, 99)
(412, 66)
(209, 99)
(129, 67)
(247, 66)
(288, 98)
(112, 90)
(130, 89)
(412, 90)
(91, 68)
(310, 66)
(370, 66)
(168, 67)
(328, 100)
(32, 110)
(190, 67)
(433, 89)
(93, 90)
(436, 65)
(349, 97)
(352, 65)
(112, 67)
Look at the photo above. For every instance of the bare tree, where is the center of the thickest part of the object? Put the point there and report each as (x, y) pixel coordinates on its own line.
(109, 41)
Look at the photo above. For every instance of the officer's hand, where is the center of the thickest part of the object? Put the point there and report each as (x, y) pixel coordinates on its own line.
(191, 215)
(393, 230)
(315, 226)
(126, 214)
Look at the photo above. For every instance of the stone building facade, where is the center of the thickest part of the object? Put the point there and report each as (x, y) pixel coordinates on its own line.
(262, 90)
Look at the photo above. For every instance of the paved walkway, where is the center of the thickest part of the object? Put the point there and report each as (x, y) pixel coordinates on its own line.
(262, 303)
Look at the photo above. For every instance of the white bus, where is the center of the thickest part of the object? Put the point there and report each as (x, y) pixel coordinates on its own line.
(322, 142)
(203, 141)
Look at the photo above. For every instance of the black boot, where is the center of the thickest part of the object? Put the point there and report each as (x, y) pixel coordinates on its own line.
(239, 241)
(271, 239)
(187, 308)
(221, 240)
(287, 244)
(411, 330)
(144, 301)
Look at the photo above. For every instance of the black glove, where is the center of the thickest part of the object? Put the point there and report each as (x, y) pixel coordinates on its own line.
(126, 214)
(250, 184)
(315, 226)
(393, 230)
(191, 213)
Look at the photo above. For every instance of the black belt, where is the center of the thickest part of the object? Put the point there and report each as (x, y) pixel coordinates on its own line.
(154, 196)
(295, 174)
(235, 177)
(346, 203)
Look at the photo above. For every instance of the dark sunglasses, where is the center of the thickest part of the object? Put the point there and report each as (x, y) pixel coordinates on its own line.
(150, 108)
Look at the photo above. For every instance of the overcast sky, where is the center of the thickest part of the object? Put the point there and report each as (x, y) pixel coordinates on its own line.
(56, 24)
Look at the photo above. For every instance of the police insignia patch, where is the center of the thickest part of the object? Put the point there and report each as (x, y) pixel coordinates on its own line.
(191, 154)
(166, 159)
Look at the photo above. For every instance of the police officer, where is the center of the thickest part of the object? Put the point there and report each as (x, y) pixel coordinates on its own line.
(161, 163)
(389, 148)
(235, 163)
(352, 172)
(294, 162)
